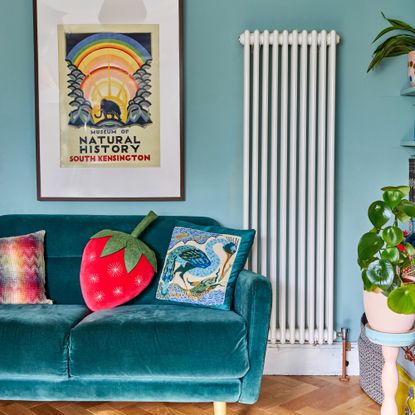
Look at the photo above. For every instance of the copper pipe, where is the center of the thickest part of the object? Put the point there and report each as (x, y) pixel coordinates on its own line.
(345, 348)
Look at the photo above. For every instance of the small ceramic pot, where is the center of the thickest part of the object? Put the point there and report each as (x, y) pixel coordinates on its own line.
(411, 67)
(382, 318)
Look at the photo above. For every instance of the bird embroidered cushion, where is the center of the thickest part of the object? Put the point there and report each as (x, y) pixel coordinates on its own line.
(202, 264)
(116, 267)
(22, 269)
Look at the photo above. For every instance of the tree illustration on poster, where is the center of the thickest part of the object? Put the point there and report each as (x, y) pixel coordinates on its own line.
(110, 87)
(108, 131)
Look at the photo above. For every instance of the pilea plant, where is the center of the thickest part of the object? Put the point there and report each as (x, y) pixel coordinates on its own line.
(384, 256)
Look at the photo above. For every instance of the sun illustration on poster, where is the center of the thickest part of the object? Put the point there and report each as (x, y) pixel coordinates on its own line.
(109, 79)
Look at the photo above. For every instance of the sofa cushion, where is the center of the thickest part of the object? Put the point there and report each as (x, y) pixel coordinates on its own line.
(22, 269)
(202, 265)
(34, 338)
(67, 235)
(160, 341)
(117, 266)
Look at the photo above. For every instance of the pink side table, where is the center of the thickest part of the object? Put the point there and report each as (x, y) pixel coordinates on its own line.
(390, 343)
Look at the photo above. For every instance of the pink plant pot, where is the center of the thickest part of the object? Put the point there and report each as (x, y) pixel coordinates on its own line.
(411, 67)
(382, 318)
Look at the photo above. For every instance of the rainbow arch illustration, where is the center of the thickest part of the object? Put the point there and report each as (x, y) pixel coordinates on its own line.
(109, 62)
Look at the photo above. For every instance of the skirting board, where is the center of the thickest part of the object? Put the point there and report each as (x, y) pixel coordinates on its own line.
(296, 359)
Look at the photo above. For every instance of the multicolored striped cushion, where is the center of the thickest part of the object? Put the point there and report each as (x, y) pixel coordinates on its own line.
(22, 269)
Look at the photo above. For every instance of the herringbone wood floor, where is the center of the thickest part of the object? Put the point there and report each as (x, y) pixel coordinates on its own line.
(280, 395)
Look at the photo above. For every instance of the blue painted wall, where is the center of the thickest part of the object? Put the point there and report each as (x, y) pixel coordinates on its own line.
(371, 117)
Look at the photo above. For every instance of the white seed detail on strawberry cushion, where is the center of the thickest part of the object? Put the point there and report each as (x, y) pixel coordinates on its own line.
(99, 296)
(115, 269)
(92, 256)
(117, 291)
(94, 278)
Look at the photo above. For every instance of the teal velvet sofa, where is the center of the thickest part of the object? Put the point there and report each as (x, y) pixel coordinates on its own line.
(142, 351)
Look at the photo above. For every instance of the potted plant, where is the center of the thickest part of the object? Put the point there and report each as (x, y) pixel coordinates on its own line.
(386, 259)
(401, 43)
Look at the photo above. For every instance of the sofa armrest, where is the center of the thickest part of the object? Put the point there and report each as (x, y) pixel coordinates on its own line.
(253, 302)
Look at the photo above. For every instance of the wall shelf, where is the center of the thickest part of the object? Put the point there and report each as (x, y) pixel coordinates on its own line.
(408, 142)
(409, 91)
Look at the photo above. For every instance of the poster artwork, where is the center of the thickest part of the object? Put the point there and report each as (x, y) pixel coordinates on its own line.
(109, 96)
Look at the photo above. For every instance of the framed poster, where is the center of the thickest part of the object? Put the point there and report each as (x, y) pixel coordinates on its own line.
(108, 77)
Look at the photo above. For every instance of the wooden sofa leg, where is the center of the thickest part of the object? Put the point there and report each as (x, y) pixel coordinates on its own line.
(219, 408)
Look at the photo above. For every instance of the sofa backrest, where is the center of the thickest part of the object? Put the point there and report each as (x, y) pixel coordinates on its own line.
(67, 235)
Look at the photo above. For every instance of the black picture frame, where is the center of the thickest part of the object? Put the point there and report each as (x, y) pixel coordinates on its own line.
(47, 174)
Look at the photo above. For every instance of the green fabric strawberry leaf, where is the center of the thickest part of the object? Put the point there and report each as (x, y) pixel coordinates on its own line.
(115, 244)
(132, 254)
(133, 251)
(133, 248)
(150, 255)
(107, 232)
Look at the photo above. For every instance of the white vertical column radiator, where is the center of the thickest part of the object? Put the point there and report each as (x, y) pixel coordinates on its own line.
(289, 155)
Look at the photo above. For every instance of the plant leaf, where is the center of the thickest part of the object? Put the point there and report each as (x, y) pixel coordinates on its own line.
(381, 273)
(377, 58)
(391, 255)
(409, 249)
(114, 244)
(379, 213)
(404, 261)
(384, 32)
(398, 52)
(369, 245)
(392, 197)
(397, 41)
(402, 216)
(393, 46)
(399, 24)
(395, 284)
(363, 264)
(403, 189)
(392, 235)
(402, 299)
(407, 207)
(368, 286)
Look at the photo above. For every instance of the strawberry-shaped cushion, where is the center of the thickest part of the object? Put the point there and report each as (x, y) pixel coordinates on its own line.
(116, 267)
